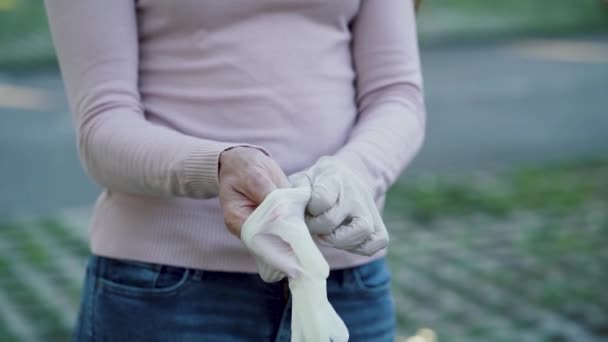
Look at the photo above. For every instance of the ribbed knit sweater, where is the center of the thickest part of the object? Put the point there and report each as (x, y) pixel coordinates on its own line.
(158, 89)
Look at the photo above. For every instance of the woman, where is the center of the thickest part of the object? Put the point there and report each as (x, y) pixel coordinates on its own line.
(189, 113)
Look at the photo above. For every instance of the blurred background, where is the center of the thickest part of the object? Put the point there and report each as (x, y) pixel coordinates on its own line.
(498, 226)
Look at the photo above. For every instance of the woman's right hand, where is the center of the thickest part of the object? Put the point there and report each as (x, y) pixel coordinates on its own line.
(246, 176)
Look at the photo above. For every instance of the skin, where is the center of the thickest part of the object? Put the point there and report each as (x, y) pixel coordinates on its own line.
(246, 176)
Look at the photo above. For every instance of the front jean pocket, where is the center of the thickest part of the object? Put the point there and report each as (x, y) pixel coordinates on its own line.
(138, 279)
(374, 276)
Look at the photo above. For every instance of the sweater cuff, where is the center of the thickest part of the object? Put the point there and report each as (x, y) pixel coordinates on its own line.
(200, 169)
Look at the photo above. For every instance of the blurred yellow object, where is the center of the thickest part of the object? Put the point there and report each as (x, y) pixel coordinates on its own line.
(428, 334)
(562, 50)
(24, 97)
(423, 335)
(416, 339)
(7, 5)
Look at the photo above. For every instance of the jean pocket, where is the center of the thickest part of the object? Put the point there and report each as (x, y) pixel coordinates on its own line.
(139, 279)
(374, 276)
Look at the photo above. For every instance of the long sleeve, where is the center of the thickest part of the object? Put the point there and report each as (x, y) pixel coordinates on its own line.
(159, 89)
(97, 47)
(391, 113)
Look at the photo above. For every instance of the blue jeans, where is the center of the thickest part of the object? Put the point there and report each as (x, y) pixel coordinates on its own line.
(135, 301)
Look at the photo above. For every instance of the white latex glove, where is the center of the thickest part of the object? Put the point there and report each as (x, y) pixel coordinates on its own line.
(278, 237)
(342, 212)
(263, 232)
(274, 257)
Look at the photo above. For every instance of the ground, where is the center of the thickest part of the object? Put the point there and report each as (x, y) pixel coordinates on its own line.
(508, 257)
(515, 256)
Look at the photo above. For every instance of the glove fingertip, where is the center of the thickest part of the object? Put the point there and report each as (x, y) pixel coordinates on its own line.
(272, 277)
(371, 246)
(319, 225)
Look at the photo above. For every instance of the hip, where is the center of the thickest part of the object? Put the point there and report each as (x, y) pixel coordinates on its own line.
(136, 301)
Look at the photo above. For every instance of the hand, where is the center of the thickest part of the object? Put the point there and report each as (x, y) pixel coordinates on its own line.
(246, 177)
(342, 212)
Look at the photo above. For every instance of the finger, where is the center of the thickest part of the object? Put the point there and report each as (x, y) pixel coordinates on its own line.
(257, 186)
(349, 235)
(376, 242)
(327, 221)
(325, 194)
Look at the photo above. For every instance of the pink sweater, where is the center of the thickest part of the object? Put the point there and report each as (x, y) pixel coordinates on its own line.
(159, 89)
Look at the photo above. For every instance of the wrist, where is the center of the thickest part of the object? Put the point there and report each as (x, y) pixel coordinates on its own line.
(235, 153)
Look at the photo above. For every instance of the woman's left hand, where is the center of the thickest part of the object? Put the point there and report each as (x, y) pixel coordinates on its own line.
(342, 212)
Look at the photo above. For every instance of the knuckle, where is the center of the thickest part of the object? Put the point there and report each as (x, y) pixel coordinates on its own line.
(225, 180)
(326, 208)
(332, 218)
(255, 174)
(255, 180)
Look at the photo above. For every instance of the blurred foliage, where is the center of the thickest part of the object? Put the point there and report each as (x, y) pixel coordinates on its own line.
(6, 5)
(24, 37)
(25, 40)
(515, 256)
(473, 19)
(553, 190)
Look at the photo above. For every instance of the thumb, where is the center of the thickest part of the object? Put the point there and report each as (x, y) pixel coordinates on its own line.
(325, 194)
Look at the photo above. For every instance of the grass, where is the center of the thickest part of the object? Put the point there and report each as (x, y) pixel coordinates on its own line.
(556, 191)
(25, 40)
(447, 19)
(515, 256)
(24, 37)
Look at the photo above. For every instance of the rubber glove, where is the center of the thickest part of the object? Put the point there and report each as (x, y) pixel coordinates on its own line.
(264, 233)
(342, 212)
(274, 257)
(278, 237)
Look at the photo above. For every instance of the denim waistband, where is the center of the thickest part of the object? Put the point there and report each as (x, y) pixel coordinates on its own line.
(102, 263)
